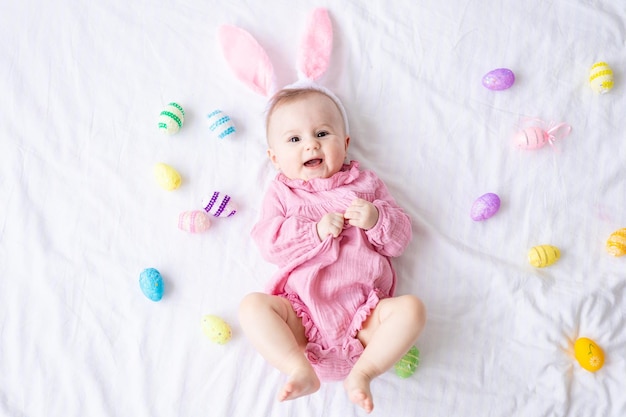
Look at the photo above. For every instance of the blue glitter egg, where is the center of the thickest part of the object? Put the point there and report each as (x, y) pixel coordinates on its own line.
(151, 284)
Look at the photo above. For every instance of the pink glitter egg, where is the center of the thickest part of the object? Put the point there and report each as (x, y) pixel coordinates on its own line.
(485, 207)
(498, 79)
(531, 138)
(196, 221)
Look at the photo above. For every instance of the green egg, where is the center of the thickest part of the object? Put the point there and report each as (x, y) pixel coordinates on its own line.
(406, 366)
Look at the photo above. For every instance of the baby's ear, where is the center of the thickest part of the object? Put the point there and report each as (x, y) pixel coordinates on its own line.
(315, 46)
(272, 156)
(247, 59)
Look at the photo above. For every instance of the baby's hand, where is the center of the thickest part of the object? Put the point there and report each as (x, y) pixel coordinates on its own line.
(330, 224)
(362, 214)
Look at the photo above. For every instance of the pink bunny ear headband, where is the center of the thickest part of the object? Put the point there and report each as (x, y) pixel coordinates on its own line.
(250, 63)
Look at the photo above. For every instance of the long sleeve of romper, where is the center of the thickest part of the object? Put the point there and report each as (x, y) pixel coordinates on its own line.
(392, 233)
(281, 238)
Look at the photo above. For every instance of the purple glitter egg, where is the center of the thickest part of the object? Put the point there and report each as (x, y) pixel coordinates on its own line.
(485, 207)
(499, 79)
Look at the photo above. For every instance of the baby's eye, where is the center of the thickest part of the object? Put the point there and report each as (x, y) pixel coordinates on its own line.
(294, 139)
(322, 134)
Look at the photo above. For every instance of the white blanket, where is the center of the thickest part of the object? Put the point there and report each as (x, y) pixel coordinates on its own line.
(81, 215)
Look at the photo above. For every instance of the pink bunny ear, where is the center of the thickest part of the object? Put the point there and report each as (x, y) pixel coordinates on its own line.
(316, 46)
(247, 59)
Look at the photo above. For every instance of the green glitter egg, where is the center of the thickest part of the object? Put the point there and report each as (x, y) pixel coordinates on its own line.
(406, 366)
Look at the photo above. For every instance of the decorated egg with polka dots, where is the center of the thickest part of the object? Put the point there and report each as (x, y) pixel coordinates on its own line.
(216, 329)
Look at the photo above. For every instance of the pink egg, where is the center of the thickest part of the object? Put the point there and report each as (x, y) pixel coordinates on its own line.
(531, 138)
(485, 207)
(499, 79)
(195, 221)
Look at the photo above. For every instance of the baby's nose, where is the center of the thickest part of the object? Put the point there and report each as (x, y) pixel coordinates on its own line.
(312, 143)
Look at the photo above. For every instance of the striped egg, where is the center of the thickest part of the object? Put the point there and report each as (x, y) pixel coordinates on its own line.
(616, 243)
(167, 177)
(151, 284)
(407, 365)
(543, 255)
(171, 118)
(220, 125)
(485, 207)
(601, 77)
(531, 138)
(219, 205)
(195, 221)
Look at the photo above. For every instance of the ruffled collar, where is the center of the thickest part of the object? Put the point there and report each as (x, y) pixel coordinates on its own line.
(348, 173)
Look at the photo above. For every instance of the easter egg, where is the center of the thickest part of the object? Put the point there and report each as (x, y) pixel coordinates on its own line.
(588, 354)
(601, 77)
(616, 243)
(543, 255)
(167, 177)
(216, 329)
(171, 118)
(151, 284)
(220, 124)
(485, 207)
(498, 79)
(195, 221)
(531, 138)
(406, 366)
(219, 205)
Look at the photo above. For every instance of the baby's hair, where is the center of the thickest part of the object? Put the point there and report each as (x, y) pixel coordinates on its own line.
(288, 95)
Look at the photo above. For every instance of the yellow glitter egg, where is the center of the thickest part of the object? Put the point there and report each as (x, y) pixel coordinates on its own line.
(601, 77)
(216, 329)
(588, 354)
(167, 177)
(616, 244)
(543, 255)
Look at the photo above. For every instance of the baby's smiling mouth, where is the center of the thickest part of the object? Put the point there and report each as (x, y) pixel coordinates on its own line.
(313, 162)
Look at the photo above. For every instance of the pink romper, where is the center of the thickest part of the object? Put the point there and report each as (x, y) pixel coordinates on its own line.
(332, 285)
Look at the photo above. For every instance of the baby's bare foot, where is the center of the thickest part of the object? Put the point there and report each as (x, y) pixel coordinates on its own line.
(357, 386)
(302, 382)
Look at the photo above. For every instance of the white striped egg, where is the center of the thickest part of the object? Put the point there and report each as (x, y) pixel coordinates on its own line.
(171, 118)
(219, 205)
(220, 124)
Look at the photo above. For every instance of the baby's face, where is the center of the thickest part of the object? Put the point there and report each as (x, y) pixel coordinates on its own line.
(307, 137)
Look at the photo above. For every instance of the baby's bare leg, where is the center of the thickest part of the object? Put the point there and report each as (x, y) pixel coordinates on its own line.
(277, 333)
(389, 332)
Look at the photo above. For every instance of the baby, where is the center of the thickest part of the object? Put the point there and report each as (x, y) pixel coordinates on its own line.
(331, 228)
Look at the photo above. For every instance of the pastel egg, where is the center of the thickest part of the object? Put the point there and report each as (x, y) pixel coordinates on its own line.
(220, 124)
(171, 118)
(216, 329)
(195, 221)
(601, 77)
(531, 138)
(166, 176)
(588, 354)
(219, 205)
(485, 207)
(543, 255)
(151, 284)
(406, 366)
(498, 79)
(616, 243)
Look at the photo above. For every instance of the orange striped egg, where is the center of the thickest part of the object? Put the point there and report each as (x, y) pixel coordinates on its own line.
(195, 221)
(616, 244)
(543, 255)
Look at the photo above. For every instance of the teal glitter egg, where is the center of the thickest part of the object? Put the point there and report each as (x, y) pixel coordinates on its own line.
(151, 284)
(406, 366)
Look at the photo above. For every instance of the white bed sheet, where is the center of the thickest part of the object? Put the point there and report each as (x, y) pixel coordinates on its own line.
(81, 215)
